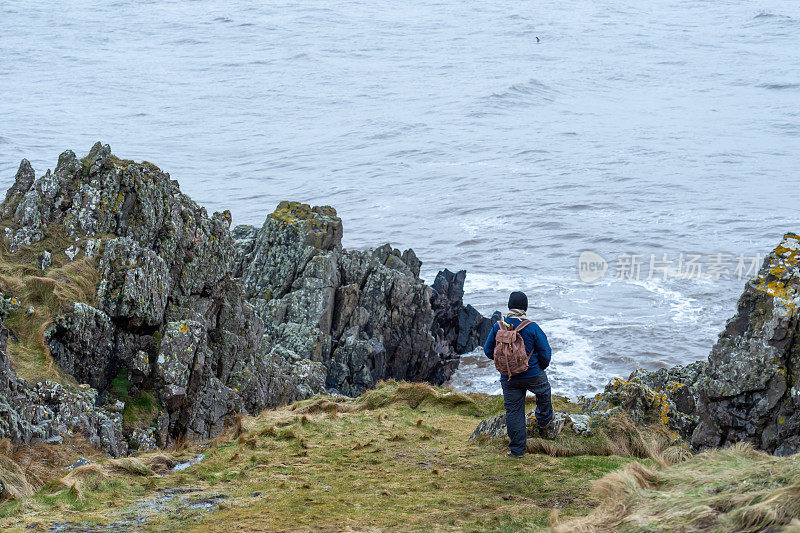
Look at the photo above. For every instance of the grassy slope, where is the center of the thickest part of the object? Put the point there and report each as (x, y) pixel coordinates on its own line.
(399, 458)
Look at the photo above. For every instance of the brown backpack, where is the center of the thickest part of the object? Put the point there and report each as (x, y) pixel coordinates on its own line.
(510, 355)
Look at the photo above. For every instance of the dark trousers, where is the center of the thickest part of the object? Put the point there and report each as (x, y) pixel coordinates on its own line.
(514, 391)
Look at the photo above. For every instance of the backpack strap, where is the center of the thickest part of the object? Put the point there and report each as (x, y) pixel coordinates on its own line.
(501, 324)
(522, 325)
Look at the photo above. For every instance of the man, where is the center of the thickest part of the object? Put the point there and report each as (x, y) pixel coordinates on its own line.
(534, 379)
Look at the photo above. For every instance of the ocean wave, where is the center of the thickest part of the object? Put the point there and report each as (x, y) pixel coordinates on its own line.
(531, 92)
(683, 308)
(571, 370)
(779, 86)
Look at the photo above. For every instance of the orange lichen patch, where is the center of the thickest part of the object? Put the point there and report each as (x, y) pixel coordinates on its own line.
(293, 212)
(784, 263)
(777, 289)
(297, 214)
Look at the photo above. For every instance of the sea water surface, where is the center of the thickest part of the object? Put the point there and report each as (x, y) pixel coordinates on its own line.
(500, 137)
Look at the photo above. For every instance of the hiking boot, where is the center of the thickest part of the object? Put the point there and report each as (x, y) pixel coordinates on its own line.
(552, 429)
(511, 454)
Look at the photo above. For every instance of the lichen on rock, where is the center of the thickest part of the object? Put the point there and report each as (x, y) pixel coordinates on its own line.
(208, 322)
(364, 314)
(750, 392)
(666, 396)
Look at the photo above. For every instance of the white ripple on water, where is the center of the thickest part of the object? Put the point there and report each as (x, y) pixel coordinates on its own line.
(684, 308)
(572, 357)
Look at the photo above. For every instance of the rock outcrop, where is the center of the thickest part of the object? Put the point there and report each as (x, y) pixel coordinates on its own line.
(165, 269)
(365, 315)
(461, 327)
(212, 323)
(751, 389)
(666, 396)
(47, 412)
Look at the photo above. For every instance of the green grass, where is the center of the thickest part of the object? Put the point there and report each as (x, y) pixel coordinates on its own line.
(140, 412)
(399, 458)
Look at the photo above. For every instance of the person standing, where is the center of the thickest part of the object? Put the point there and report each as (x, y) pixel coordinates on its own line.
(533, 378)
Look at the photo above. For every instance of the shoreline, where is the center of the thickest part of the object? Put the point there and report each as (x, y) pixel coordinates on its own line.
(134, 324)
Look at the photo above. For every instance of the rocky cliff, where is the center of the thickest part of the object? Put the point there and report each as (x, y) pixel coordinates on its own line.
(750, 391)
(205, 323)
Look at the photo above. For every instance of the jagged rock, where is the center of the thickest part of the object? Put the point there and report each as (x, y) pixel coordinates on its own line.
(181, 360)
(496, 426)
(491, 427)
(463, 328)
(82, 343)
(271, 258)
(71, 252)
(134, 283)
(750, 391)
(679, 383)
(22, 182)
(46, 411)
(365, 315)
(581, 425)
(143, 440)
(45, 260)
(82, 461)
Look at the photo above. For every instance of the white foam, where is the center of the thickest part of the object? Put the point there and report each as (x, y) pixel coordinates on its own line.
(571, 366)
(684, 308)
(476, 282)
(479, 226)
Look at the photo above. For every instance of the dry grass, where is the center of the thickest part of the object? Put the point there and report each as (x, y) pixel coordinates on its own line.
(26, 469)
(616, 436)
(50, 293)
(734, 489)
(330, 463)
(78, 482)
(377, 463)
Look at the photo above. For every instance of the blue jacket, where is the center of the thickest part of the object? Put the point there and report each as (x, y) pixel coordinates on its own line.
(535, 343)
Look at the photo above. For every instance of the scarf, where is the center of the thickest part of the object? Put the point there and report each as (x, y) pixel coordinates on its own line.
(516, 313)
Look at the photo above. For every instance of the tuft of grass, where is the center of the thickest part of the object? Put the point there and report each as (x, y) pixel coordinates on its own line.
(13, 479)
(424, 395)
(130, 465)
(50, 293)
(616, 436)
(733, 489)
(26, 469)
(139, 412)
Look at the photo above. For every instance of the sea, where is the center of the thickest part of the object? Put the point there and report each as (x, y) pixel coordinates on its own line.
(626, 164)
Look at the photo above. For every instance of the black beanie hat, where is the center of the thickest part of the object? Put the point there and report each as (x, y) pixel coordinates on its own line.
(518, 300)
